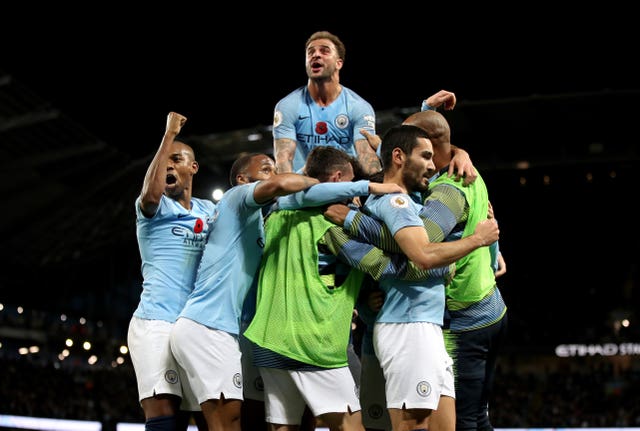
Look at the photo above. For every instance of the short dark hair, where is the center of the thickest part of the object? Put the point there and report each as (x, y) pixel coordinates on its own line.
(322, 161)
(342, 52)
(404, 137)
(239, 166)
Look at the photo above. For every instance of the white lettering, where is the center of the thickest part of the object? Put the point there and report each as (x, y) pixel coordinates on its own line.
(606, 349)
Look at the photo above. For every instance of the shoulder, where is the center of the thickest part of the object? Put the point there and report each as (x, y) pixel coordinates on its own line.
(292, 99)
(355, 97)
(446, 194)
(390, 200)
(238, 198)
(206, 205)
(287, 108)
(398, 200)
(358, 107)
(164, 206)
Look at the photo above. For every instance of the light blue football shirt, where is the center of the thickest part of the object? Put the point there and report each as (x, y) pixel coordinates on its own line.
(171, 244)
(406, 301)
(298, 117)
(229, 262)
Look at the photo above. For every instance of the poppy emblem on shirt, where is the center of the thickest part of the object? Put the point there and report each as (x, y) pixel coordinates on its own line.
(399, 202)
(342, 121)
(198, 226)
(321, 128)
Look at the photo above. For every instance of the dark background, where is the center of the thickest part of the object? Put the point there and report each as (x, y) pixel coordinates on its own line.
(118, 71)
(86, 92)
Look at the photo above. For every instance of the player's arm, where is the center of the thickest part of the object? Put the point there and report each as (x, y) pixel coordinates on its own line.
(374, 261)
(155, 179)
(283, 152)
(373, 140)
(502, 266)
(280, 185)
(364, 119)
(461, 166)
(362, 226)
(414, 242)
(442, 211)
(367, 157)
(442, 97)
(327, 193)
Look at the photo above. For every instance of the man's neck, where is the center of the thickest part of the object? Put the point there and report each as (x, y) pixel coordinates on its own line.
(395, 178)
(324, 92)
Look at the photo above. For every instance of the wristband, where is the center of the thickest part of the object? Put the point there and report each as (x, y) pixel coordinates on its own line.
(426, 107)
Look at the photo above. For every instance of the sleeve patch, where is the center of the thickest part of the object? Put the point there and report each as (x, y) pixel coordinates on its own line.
(277, 118)
(399, 202)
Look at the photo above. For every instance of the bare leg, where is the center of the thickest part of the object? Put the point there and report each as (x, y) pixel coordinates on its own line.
(346, 421)
(160, 405)
(409, 419)
(444, 418)
(222, 414)
(282, 427)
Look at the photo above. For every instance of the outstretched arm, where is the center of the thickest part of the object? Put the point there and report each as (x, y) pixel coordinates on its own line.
(155, 179)
(327, 193)
(442, 97)
(280, 185)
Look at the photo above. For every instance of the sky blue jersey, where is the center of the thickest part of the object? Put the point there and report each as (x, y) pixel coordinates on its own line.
(171, 244)
(229, 262)
(298, 117)
(406, 301)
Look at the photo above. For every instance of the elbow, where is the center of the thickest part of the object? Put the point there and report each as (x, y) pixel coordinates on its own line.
(149, 199)
(426, 263)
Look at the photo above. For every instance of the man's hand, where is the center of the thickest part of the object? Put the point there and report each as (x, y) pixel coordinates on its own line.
(487, 231)
(383, 189)
(490, 213)
(175, 122)
(442, 97)
(336, 213)
(502, 266)
(373, 140)
(462, 166)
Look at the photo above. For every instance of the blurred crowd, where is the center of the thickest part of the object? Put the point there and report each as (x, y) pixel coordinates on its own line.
(530, 390)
